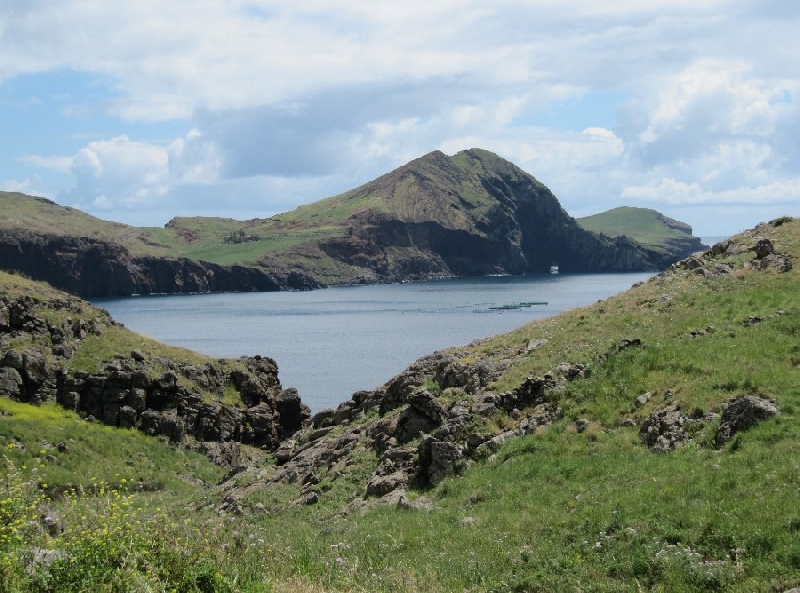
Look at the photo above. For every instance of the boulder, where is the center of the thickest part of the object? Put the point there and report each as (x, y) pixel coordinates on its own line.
(11, 383)
(439, 459)
(126, 417)
(743, 413)
(34, 366)
(293, 413)
(426, 404)
(663, 430)
(763, 248)
(411, 424)
(379, 485)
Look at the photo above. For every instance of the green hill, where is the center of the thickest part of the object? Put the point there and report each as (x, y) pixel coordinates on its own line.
(647, 227)
(472, 213)
(592, 450)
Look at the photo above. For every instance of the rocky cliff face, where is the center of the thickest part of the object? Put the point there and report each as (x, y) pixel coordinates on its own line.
(438, 226)
(93, 268)
(157, 396)
(472, 213)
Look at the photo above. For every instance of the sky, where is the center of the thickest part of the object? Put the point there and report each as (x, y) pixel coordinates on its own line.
(137, 112)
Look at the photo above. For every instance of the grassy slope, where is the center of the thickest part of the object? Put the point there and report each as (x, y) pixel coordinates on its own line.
(643, 225)
(434, 187)
(564, 510)
(568, 511)
(201, 238)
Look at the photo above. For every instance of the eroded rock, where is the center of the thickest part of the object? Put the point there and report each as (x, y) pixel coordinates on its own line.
(663, 429)
(744, 413)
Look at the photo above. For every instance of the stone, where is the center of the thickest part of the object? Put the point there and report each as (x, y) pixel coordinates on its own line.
(763, 248)
(382, 485)
(743, 413)
(411, 423)
(581, 425)
(13, 359)
(535, 344)
(285, 451)
(628, 342)
(126, 417)
(439, 459)
(425, 403)
(663, 429)
(34, 366)
(323, 418)
(11, 382)
(344, 412)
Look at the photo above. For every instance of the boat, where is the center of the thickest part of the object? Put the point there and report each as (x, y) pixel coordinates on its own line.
(554, 269)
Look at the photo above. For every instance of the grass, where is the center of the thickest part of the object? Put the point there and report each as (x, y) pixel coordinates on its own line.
(643, 225)
(560, 510)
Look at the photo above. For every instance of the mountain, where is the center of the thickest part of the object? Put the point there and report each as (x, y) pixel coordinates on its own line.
(663, 236)
(647, 441)
(473, 213)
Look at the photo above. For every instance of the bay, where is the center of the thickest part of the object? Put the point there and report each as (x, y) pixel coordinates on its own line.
(332, 342)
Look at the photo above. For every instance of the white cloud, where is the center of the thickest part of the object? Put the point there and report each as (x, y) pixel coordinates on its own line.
(674, 192)
(56, 163)
(299, 100)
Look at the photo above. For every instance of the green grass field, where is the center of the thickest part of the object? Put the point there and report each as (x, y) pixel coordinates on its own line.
(560, 510)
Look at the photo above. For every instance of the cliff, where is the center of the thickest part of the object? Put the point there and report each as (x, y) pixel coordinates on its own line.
(92, 267)
(665, 239)
(62, 349)
(472, 213)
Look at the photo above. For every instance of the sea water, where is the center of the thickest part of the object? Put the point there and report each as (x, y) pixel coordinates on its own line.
(331, 342)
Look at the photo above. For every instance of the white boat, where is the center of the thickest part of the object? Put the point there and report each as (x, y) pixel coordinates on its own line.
(554, 269)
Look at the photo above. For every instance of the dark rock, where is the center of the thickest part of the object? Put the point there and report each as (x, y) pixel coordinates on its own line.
(411, 424)
(663, 429)
(581, 425)
(425, 403)
(344, 412)
(439, 459)
(34, 366)
(127, 417)
(293, 413)
(743, 413)
(380, 485)
(308, 498)
(11, 383)
(94, 267)
(71, 400)
(763, 248)
(778, 262)
(285, 451)
(323, 418)
(628, 342)
(541, 415)
(13, 359)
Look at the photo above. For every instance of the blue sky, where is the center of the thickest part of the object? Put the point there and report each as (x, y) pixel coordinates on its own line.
(141, 111)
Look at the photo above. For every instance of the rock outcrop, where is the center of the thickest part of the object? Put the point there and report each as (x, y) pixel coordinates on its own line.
(96, 268)
(440, 228)
(743, 413)
(467, 215)
(157, 396)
